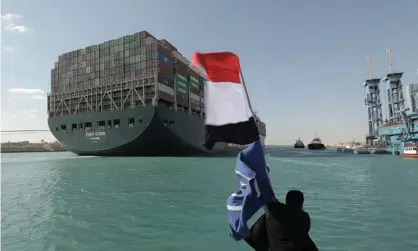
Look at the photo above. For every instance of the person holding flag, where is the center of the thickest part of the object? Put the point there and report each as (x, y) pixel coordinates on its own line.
(230, 119)
(283, 227)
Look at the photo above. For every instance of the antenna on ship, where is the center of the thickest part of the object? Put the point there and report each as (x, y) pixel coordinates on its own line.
(369, 65)
(389, 52)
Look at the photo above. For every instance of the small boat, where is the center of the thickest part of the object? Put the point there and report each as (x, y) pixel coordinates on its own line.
(316, 144)
(410, 151)
(356, 148)
(299, 144)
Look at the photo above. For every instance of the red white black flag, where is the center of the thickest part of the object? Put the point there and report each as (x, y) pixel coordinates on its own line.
(228, 115)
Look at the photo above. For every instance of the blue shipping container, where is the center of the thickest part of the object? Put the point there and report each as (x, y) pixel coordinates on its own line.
(166, 81)
(162, 57)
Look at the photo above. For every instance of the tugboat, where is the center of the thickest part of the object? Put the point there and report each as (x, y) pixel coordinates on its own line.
(316, 144)
(299, 144)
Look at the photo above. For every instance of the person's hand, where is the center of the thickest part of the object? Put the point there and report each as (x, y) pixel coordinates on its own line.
(268, 168)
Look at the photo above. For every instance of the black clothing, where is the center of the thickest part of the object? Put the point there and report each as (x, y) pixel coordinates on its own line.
(282, 228)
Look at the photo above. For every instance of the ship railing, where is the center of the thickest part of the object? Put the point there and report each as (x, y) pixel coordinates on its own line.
(58, 102)
(110, 86)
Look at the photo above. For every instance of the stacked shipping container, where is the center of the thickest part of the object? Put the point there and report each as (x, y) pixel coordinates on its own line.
(179, 85)
(103, 69)
(165, 73)
(126, 57)
(195, 89)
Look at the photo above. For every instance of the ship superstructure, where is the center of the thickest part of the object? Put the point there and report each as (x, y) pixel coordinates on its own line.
(398, 128)
(131, 96)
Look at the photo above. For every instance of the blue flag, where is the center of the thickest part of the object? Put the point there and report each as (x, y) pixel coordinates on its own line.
(255, 190)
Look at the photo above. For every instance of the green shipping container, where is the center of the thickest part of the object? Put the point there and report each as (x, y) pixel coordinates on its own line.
(194, 83)
(182, 85)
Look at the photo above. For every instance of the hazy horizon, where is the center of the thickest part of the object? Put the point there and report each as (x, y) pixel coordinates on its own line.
(304, 62)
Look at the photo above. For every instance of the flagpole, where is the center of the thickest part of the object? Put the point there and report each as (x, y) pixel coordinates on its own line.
(252, 112)
(249, 102)
(246, 92)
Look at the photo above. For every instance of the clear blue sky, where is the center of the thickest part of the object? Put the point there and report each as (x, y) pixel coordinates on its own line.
(303, 61)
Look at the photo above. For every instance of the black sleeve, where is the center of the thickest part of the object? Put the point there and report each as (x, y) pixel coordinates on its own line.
(268, 208)
(288, 229)
(310, 245)
(274, 212)
(258, 238)
(308, 222)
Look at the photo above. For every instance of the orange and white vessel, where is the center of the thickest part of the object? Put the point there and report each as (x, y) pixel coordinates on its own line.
(410, 151)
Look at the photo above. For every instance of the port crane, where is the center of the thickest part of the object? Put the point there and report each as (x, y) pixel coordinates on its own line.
(406, 132)
(369, 66)
(389, 52)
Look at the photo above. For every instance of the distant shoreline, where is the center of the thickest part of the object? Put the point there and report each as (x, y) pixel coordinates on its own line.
(31, 150)
(28, 147)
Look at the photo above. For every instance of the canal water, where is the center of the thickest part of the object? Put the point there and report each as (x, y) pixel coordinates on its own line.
(59, 201)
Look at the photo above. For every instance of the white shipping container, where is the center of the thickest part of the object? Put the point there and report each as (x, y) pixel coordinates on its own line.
(165, 89)
(194, 96)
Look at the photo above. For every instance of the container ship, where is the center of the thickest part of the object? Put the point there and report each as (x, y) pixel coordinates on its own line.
(131, 96)
(400, 128)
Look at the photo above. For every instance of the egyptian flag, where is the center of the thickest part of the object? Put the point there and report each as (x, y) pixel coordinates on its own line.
(229, 118)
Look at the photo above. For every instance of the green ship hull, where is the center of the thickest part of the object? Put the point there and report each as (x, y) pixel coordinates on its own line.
(142, 131)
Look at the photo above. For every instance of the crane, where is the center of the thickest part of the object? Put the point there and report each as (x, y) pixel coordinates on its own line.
(389, 52)
(369, 65)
